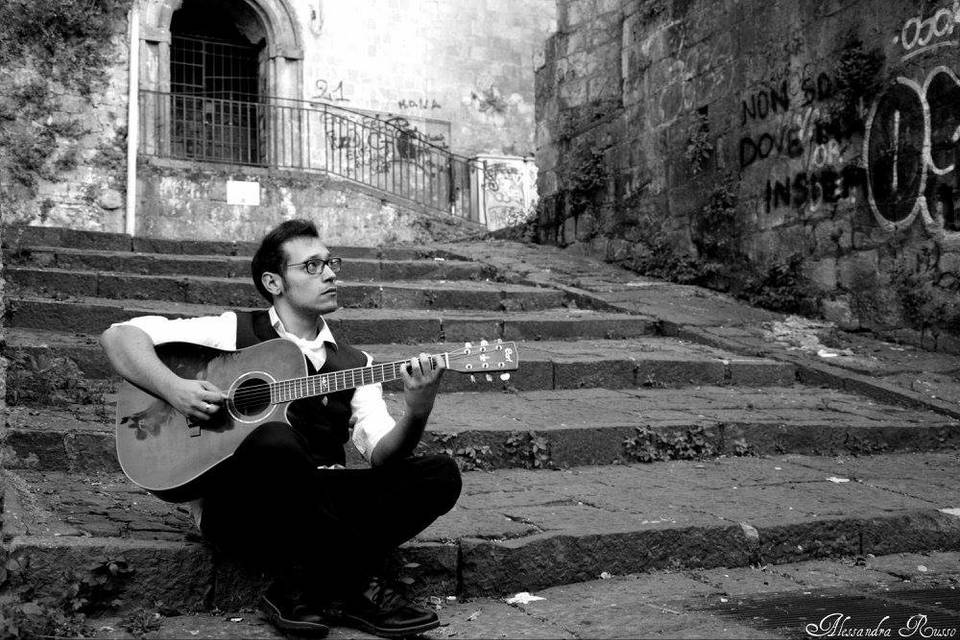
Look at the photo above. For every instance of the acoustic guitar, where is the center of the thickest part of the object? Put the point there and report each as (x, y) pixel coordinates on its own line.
(167, 453)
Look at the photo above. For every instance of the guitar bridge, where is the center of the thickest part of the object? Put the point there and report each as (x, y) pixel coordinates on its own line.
(193, 429)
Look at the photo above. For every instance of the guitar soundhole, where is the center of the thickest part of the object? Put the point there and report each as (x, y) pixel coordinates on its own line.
(251, 397)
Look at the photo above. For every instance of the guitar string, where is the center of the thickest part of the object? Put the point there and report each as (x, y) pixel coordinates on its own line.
(352, 373)
(263, 392)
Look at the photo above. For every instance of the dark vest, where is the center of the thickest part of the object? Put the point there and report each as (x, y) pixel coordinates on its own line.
(325, 427)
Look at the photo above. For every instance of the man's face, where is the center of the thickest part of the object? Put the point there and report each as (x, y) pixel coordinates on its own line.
(316, 293)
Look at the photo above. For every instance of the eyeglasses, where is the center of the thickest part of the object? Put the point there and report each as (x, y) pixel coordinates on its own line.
(313, 266)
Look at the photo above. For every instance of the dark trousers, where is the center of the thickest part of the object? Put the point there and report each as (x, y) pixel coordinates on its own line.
(269, 505)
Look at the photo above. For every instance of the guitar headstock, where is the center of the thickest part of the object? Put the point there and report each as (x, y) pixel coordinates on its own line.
(485, 358)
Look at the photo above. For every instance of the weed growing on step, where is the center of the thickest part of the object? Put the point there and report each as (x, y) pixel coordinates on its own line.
(530, 450)
(651, 446)
(141, 621)
(47, 380)
(927, 306)
(741, 448)
(23, 620)
(782, 287)
(92, 591)
(469, 458)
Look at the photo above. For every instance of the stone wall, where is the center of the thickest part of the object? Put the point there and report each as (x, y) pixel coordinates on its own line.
(731, 141)
(63, 85)
(3, 344)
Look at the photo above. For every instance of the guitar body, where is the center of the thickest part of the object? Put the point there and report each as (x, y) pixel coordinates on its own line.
(162, 451)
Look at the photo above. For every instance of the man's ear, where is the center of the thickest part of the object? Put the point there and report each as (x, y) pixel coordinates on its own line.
(272, 282)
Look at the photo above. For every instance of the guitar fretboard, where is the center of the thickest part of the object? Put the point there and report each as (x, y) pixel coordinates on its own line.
(324, 383)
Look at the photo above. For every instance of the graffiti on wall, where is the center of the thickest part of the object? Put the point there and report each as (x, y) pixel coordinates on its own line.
(328, 93)
(919, 35)
(378, 143)
(811, 155)
(508, 187)
(910, 149)
(418, 103)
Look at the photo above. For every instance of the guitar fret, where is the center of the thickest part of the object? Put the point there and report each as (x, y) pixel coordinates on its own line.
(326, 383)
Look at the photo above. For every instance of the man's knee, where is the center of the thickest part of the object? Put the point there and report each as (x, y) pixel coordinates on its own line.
(443, 475)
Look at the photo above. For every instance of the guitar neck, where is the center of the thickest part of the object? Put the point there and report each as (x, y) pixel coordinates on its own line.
(324, 383)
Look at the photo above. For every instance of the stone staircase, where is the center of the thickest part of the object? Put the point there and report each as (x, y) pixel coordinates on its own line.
(555, 489)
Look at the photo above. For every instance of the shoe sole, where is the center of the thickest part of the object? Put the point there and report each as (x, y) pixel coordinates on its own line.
(276, 618)
(356, 623)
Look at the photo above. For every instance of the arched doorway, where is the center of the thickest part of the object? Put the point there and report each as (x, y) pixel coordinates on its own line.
(217, 62)
(207, 67)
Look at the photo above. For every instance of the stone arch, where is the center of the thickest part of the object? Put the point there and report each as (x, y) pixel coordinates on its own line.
(278, 19)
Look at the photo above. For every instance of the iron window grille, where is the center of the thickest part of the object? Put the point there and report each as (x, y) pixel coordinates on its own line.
(215, 109)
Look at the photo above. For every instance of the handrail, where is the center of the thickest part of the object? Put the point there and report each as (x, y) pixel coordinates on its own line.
(310, 136)
(391, 121)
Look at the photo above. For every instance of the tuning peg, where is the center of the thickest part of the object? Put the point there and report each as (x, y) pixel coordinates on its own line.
(484, 343)
(489, 377)
(504, 376)
(473, 378)
(467, 345)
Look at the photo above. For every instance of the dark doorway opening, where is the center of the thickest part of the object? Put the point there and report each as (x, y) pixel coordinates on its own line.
(215, 82)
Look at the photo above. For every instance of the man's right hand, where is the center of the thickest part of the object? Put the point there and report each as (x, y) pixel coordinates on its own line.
(198, 399)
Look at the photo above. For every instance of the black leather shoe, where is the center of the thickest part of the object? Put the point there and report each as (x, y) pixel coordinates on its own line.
(384, 611)
(290, 614)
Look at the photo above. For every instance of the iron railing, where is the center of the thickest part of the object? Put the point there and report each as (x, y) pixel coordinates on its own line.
(370, 149)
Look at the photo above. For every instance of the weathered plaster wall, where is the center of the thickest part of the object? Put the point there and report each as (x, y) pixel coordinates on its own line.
(757, 133)
(180, 200)
(466, 62)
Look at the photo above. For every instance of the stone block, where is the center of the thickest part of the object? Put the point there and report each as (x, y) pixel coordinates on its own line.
(949, 263)
(822, 272)
(859, 270)
(618, 250)
(839, 312)
(110, 199)
(580, 11)
(586, 227)
(570, 230)
(573, 94)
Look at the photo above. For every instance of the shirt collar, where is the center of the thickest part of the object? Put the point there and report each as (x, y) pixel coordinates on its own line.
(323, 335)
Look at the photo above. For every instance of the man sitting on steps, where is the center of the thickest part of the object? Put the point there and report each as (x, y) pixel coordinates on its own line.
(284, 498)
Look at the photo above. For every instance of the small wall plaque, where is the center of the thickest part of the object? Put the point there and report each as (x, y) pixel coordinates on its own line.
(243, 192)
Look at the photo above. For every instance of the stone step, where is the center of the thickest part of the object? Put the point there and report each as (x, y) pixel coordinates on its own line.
(516, 530)
(240, 292)
(20, 239)
(772, 601)
(614, 364)
(355, 267)
(563, 428)
(91, 315)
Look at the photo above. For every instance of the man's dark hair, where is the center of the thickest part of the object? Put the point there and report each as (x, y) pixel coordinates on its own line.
(271, 256)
